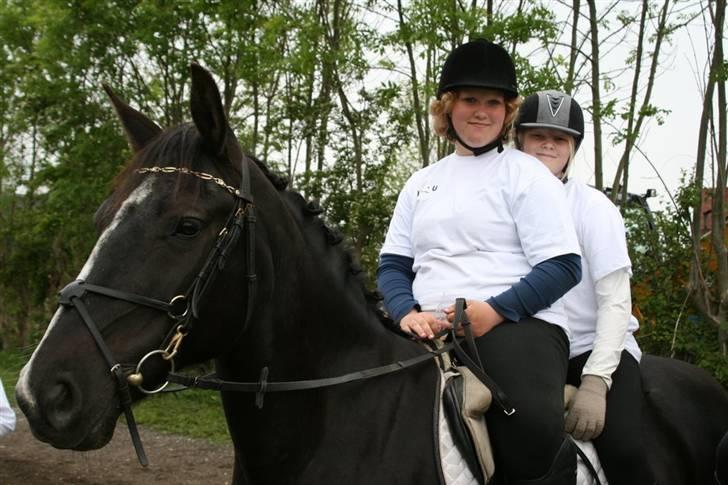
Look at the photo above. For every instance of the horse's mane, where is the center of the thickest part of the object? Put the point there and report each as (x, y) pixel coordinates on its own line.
(180, 147)
(310, 213)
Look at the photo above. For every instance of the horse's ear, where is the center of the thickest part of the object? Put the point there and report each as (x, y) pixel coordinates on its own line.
(138, 128)
(207, 110)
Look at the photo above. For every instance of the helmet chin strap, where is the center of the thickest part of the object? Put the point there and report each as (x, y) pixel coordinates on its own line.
(476, 150)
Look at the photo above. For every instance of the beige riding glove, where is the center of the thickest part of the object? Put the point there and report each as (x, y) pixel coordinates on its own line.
(585, 418)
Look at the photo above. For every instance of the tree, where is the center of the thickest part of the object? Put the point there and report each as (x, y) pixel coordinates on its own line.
(709, 286)
(632, 132)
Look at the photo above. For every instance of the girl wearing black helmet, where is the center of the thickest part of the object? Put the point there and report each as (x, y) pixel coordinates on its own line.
(604, 357)
(474, 225)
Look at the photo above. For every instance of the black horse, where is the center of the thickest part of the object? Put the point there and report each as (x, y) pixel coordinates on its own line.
(288, 299)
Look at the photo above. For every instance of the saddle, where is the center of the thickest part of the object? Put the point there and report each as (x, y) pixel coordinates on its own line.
(465, 400)
(467, 393)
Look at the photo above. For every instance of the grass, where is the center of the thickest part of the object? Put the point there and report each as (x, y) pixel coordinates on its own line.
(193, 413)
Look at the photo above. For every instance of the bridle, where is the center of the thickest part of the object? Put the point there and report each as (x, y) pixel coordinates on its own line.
(182, 309)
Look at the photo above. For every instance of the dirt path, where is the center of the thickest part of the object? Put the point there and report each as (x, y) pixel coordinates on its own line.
(173, 460)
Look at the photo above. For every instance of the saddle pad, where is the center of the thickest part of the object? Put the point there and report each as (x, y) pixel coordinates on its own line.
(583, 476)
(456, 472)
(454, 468)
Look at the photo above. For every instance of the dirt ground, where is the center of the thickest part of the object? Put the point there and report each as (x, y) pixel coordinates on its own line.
(172, 460)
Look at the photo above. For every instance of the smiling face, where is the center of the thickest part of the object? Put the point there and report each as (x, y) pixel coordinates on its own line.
(477, 117)
(553, 147)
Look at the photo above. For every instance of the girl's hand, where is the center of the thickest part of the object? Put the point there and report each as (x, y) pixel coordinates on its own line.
(482, 317)
(422, 324)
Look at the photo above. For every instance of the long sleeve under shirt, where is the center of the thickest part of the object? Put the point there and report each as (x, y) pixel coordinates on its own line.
(547, 282)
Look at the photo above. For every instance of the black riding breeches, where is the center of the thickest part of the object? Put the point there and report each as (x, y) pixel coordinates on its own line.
(528, 360)
(620, 446)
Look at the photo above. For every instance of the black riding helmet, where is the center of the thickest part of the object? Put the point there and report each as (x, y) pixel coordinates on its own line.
(478, 64)
(554, 110)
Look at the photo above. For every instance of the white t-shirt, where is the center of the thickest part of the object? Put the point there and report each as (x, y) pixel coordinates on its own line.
(600, 229)
(476, 225)
(7, 415)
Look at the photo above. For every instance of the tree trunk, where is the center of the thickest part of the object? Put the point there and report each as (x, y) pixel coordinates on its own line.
(701, 291)
(417, 108)
(634, 127)
(570, 73)
(596, 95)
(719, 213)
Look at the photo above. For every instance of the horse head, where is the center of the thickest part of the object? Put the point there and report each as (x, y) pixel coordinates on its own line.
(168, 229)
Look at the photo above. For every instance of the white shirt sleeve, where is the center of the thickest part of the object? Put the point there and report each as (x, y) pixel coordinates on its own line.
(602, 234)
(399, 235)
(545, 226)
(7, 415)
(614, 307)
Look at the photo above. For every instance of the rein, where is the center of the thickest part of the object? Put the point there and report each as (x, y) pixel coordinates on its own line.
(468, 358)
(263, 386)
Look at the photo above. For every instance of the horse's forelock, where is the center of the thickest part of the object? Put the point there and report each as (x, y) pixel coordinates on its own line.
(180, 147)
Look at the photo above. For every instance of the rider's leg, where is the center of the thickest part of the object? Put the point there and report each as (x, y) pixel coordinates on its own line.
(528, 360)
(620, 446)
(562, 468)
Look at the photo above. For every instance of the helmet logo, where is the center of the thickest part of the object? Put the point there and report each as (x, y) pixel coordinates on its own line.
(554, 103)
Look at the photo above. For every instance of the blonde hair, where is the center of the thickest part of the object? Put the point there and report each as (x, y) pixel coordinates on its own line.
(440, 110)
(518, 141)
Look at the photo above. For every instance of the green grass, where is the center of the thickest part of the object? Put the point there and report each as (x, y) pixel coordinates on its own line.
(193, 413)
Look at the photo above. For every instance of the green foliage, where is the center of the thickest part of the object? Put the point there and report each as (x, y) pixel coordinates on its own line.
(10, 365)
(320, 90)
(194, 413)
(670, 325)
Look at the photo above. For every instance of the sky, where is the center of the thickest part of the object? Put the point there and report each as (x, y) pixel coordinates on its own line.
(671, 147)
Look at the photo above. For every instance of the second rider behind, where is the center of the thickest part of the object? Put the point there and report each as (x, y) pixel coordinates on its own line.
(605, 356)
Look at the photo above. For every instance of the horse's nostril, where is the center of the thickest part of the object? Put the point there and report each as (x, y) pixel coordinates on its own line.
(62, 402)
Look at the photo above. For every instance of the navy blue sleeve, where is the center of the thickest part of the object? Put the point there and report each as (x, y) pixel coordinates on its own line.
(394, 279)
(547, 282)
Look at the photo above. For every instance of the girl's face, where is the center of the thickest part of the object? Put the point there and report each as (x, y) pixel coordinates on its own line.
(477, 116)
(549, 146)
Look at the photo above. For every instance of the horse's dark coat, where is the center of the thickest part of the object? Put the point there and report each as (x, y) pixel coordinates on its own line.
(312, 318)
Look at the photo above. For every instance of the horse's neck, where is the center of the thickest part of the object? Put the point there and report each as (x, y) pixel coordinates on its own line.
(311, 313)
(330, 317)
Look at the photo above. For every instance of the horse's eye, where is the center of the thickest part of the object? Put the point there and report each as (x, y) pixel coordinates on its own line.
(188, 227)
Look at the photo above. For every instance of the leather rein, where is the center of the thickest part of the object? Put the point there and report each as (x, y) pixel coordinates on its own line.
(183, 311)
